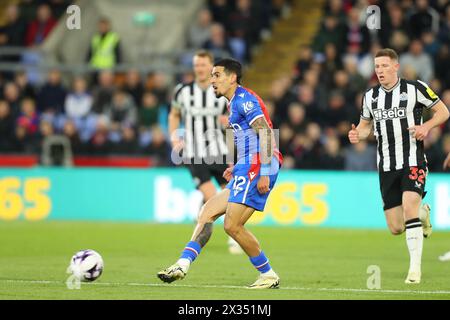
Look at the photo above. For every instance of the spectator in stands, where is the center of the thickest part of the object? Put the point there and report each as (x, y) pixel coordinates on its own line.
(28, 118)
(331, 158)
(24, 142)
(25, 88)
(244, 29)
(45, 130)
(148, 112)
(105, 48)
(70, 131)
(331, 31)
(7, 127)
(158, 149)
(40, 28)
(311, 147)
(360, 157)
(356, 82)
(307, 99)
(425, 18)
(396, 23)
(220, 10)
(12, 95)
(200, 31)
(133, 86)
(281, 97)
(442, 65)
(99, 143)
(59, 7)
(419, 61)
(331, 64)
(128, 143)
(157, 84)
(52, 96)
(78, 103)
(444, 31)
(296, 117)
(433, 150)
(357, 35)
(304, 62)
(335, 8)
(342, 85)
(218, 43)
(122, 111)
(431, 45)
(365, 63)
(13, 32)
(102, 93)
(337, 110)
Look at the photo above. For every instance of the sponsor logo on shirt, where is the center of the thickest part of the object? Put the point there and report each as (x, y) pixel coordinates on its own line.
(389, 114)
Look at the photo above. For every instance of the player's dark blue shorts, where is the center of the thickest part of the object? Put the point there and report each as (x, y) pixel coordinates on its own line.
(243, 185)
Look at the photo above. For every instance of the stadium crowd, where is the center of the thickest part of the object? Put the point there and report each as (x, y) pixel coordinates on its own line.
(313, 107)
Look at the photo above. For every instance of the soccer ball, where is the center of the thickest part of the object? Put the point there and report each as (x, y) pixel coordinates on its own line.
(86, 265)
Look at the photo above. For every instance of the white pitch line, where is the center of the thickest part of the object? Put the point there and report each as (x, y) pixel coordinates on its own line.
(416, 292)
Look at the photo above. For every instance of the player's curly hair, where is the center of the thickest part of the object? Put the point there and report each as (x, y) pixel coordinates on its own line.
(231, 66)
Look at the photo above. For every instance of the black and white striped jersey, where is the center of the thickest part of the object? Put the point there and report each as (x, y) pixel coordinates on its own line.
(393, 112)
(200, 111)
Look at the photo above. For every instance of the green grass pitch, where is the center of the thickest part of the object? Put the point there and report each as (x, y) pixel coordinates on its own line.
(313, 263)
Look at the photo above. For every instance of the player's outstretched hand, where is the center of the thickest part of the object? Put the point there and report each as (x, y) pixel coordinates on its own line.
(263, 184)
(418, 132)
(228, 173)
(447, 162)
(353, 135)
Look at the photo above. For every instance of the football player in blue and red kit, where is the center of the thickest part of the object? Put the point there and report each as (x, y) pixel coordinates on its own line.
(250, 180)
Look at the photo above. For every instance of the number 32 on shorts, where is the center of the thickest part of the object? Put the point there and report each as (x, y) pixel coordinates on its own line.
(417, 174)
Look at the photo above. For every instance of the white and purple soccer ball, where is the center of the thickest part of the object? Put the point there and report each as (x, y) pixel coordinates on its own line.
(86, 265)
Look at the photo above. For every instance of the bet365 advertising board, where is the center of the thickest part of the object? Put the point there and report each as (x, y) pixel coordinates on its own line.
(299, 198)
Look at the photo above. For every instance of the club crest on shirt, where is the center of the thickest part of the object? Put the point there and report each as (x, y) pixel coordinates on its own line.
(403, 96)
(248, 106)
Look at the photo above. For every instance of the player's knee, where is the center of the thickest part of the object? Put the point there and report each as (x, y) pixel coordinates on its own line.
(396, 230)
(230, 228)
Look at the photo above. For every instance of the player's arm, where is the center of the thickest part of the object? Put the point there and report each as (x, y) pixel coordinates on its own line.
(264, 132)
(361, 132)
(174, 124)
(261, 127)
(229, 140)
(440, 114)
(174, 120)
(431, 101)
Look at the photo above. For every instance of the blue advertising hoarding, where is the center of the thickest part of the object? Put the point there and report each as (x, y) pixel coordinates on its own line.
(300, 198)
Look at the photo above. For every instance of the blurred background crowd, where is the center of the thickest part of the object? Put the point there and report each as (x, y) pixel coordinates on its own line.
(125, 113)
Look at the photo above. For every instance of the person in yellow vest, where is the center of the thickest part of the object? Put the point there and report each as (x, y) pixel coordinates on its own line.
(104, 50)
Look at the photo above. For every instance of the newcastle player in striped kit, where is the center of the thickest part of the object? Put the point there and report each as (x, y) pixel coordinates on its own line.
(202, 144)
(394, 108)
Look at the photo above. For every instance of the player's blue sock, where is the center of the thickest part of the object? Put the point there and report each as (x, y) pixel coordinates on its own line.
(261, 262)
(191, 251)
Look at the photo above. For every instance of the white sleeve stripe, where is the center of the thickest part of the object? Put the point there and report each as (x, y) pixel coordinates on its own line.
(424, 100)
(434, 103)
(366, 118)
(255, 118)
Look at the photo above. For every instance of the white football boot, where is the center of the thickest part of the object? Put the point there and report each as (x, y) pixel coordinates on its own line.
(271, 281)
(424, 216)
(172, 273)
